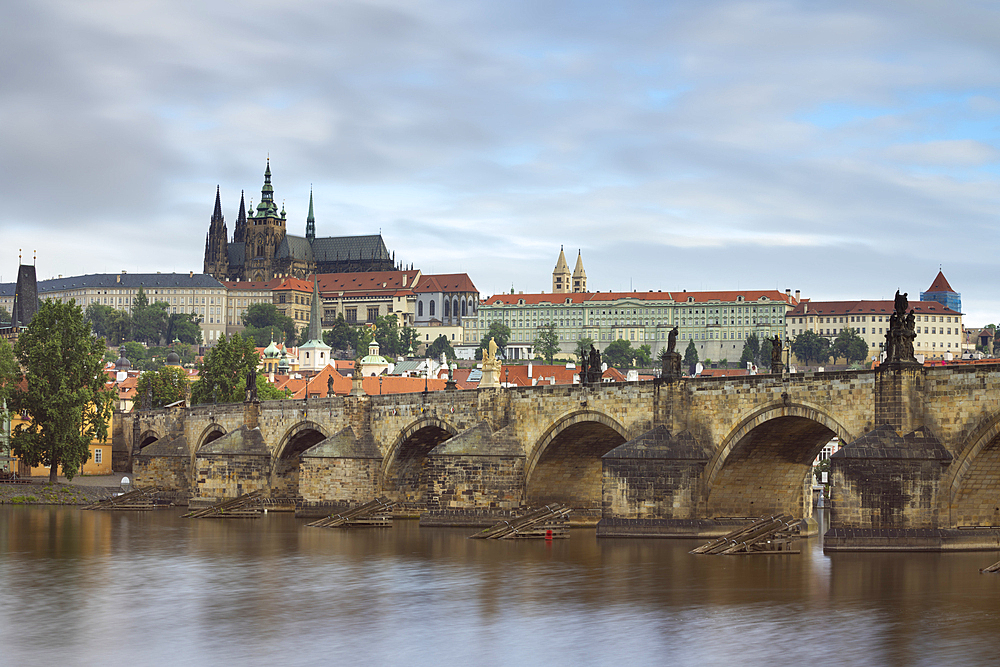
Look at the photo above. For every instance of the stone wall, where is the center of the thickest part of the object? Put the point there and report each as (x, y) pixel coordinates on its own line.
(221, 477)
(334, 480)
(474, 482)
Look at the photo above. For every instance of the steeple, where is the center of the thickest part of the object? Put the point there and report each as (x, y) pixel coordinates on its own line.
(240, 233)
(217, 215)
(216, 253)
(266, 207)
(561, 275)
(310, 220)
(579, 275)
(315, 314)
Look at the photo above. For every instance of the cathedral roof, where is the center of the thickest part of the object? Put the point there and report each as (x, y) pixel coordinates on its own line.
(343, 248)
(236, 250)
(294, 247)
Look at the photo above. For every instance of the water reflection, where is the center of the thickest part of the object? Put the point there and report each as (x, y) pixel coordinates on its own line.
(152, 588)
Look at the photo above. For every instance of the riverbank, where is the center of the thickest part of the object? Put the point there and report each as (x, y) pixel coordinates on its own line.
(79, 491)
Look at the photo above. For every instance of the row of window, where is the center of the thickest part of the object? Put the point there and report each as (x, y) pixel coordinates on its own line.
(864, 318)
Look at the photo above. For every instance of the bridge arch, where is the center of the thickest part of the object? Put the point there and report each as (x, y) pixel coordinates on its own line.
(974, 484)
(403, 475)
(286, 456)
(148, 437)
(762, 465)
(209, 434)
(565, 463)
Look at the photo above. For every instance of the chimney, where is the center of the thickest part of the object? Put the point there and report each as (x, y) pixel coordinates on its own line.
(797, 294)
(190, 274)
(788, 292)
(118, 279)
(529, 369)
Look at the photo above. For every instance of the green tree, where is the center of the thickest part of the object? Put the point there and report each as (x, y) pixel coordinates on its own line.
(97, 314)
(619, 354)
(810, 346)
(169, 385)
(363, 337)
(119, 327)
(8, 378)
(691, 356)
(4, 315)
(222, 374)
(546, 342)
(149, 321)
(64, 396)
(341, 335)
(185, 327)
(441, 344)
(390, 337)
(407, 340)
(849, 346)
(751, 351)
(500, 333)
(644, 356)
(263, 323)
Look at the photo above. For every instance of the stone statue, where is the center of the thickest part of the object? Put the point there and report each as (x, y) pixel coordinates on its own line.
(672, 340)
(594, 366)
(493, 351)
(775, 350)
(901, 333)
(329, 385)
(901, 304)
(251, 386)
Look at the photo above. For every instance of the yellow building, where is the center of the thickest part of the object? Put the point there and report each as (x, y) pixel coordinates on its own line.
(99, 462)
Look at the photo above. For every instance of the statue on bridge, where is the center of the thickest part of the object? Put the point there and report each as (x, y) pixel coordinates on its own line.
(491, 366)
(901, 333)
(671, 358)
(777, 366)
(594, 372)
(251, 386)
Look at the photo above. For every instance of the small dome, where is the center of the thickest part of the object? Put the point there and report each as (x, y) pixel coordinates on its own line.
(173, 359)
(283, 365)
(122, 364)
(271, 351)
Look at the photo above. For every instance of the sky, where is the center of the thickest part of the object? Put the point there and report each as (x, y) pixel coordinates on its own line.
(844, 149)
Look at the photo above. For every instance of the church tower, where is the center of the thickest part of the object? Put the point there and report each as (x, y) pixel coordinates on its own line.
(561, 275)
(579, 275)
(264, 232)
(216, 252)
(240, 233)
(310, 220)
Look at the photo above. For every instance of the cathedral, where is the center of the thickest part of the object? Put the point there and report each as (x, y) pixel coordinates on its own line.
(261, 250)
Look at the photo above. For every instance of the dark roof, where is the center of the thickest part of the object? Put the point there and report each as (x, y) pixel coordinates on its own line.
(237, 252)
(343, 248)
(295, 247)
(129, 281)
(940, 284)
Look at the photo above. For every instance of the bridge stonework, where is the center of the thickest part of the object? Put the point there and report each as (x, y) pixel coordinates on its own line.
(919, 468)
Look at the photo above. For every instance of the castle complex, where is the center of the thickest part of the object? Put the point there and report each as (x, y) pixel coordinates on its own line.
(261, 249)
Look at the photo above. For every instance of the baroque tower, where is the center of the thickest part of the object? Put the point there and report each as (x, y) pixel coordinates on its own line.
(561, 275)
(216, 251)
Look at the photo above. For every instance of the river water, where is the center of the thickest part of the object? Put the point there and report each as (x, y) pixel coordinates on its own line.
(151, 588)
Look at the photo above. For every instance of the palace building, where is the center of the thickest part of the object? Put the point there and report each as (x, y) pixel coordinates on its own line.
(261, 249)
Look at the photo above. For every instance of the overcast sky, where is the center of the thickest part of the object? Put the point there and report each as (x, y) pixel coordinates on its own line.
(844, 149)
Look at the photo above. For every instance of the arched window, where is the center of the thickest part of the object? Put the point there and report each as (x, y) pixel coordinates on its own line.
(447, 310)
(420, 308)
(454, 307)
(463, 308)
(431, 310)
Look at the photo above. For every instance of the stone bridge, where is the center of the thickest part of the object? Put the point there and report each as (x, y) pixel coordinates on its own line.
(668, 458)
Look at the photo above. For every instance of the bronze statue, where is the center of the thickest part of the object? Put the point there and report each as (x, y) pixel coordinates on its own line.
(594, 370)
(672, 339)
(776, 351)
(251, 386)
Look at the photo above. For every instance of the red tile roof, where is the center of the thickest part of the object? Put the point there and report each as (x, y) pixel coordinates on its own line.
(296, 284)
(445, 282)
(940, 284)
(253, 285)
(807, 307)
(370, 281)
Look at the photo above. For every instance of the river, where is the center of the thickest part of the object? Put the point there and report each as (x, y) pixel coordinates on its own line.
(151, 588)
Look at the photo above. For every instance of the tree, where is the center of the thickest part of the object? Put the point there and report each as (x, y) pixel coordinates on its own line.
(149, 321)
(185, 327)
(119, 327)
(751, 351)
(691, 356)
(97, 315)
(619, 354)
(439, 346)
(408, 340)
(4, 315)
(810, 346)
(500, 333)
(341, 336)
(393, 340)
(849, 346)
(222, 374)
(263, 322)
(63, 396)
(547, 342)
(168, 385)
(644, 356)
(8, 378)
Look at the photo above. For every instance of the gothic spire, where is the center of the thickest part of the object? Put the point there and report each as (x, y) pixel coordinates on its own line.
(240, 233)
(310, 220)
(217, 215)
